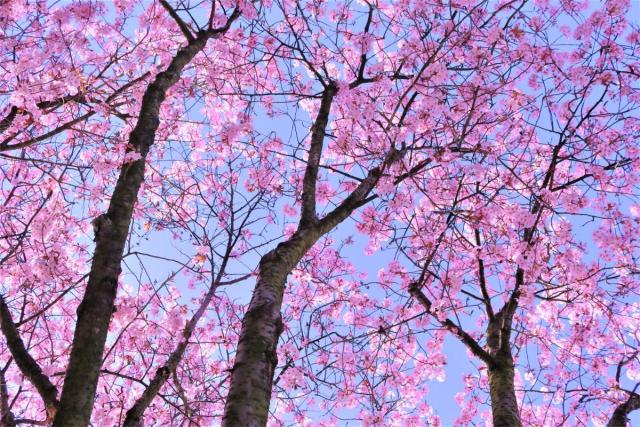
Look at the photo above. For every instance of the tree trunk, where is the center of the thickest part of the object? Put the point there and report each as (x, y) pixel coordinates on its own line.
(111, 231)
(619, 418)
(256, 358)
(249, 395)
(504, 404)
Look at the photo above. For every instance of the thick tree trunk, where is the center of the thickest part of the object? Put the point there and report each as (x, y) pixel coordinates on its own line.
(504, 405)
(619, 418)
(256, 359)
(111, 231)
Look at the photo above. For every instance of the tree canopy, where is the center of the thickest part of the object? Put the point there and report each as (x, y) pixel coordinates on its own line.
(241, 213)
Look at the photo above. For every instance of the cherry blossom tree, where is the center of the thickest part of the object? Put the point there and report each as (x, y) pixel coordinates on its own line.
(159, 160)
(386, 123)
(507, 255)
(43, 105)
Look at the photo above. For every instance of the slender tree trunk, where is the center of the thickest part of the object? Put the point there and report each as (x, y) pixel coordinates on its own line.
(504, 405)
(497, 358)
(256, 359)
(111, 231)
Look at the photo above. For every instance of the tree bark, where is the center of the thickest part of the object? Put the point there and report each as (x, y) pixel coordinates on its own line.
(256, 359)
(249, 395)
(27, 364)
(111, 231)
(504, 405)
(619, 418)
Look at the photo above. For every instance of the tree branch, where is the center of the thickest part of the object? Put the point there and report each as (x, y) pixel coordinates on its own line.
(359, 196)
(483, 281)
(318, 132)
(27, 364)
(111, 232)
(467, 340)
(183, 25)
